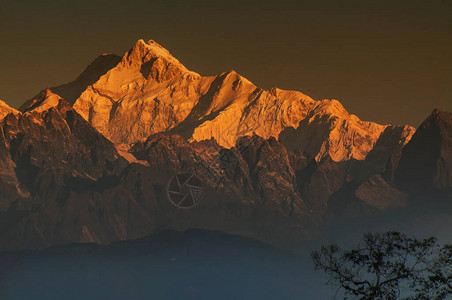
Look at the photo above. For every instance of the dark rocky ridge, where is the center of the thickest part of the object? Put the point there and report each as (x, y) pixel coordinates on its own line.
(425, 163)
(63, 182)
(73, 186)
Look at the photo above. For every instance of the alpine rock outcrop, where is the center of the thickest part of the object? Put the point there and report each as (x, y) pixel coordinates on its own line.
(5, 110)
(425, 163)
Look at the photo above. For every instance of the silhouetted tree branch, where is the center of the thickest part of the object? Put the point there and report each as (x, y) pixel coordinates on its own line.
(389, 266)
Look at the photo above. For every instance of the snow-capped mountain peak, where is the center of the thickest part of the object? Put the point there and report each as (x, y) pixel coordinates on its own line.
(153, 60)
(149, 91)
(5, 110)
(45, 100)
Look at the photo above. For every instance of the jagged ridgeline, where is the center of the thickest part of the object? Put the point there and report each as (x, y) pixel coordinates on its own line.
(91, 160)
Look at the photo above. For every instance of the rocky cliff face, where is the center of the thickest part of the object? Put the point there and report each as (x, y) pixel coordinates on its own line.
(425, 163)
(391, 141)
(52, 153)
(330, 130)
(383, 154)
(88, 193)
(63, 182)
(9, 184)
(8, 179)
(5, 110)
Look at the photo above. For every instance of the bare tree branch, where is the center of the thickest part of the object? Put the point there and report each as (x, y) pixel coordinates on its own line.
(388, 265)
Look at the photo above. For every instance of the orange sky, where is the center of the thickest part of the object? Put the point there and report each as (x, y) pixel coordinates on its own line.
(386, 61)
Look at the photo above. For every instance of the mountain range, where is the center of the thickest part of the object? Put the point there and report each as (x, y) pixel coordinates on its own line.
(91, 160)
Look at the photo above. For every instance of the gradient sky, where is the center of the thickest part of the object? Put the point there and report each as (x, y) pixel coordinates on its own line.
(386, 61)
